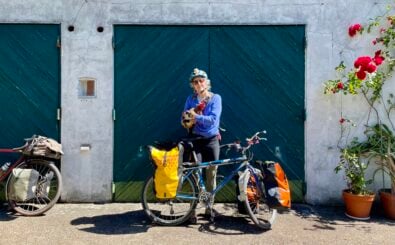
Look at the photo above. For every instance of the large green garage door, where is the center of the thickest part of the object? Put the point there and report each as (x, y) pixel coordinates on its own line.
(29, 83)
(258, 71)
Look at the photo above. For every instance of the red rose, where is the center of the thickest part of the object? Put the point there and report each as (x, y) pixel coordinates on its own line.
(374, 42)
(371, 68)
(357, 27)
(340, 85)
(362, 61)
(352, 30)
(361, 74)
(378, 59)
(342, 120)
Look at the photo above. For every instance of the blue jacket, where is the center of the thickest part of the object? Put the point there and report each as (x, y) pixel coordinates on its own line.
(207, 124)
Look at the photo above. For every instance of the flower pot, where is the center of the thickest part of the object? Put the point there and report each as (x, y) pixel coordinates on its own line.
(388, 203)
(358, 206)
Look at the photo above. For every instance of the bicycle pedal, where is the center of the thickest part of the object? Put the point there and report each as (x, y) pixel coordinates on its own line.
(193, 220)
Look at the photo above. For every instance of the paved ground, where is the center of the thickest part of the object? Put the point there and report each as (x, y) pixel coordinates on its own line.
(126, 224)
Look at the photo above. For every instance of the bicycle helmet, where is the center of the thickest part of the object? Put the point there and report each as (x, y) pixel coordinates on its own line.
(197, 73)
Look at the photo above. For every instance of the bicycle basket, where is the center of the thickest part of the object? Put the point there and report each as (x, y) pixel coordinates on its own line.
(42, 146)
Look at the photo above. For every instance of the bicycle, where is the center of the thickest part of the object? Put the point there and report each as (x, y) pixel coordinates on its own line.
(192, 189)
(34, 183)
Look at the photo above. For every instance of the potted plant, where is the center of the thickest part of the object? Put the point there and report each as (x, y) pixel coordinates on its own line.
(380, 148)
(357, 198)
(368, 78)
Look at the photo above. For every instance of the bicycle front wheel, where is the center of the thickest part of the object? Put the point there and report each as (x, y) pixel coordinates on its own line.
(170, 211)
(34, 187)
(256, 204)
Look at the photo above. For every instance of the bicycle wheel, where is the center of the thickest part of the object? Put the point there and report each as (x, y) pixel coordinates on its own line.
(170, 212)
(255, 202)
(34, 187)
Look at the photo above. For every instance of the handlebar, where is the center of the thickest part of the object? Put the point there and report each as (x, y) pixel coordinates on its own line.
(254, 139)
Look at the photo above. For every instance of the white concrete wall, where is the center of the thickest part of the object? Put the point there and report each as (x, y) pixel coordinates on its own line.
(87, 53)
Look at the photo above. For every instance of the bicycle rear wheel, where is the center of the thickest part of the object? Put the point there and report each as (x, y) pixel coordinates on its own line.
(256, 204)
(34, 187)
(170, 212)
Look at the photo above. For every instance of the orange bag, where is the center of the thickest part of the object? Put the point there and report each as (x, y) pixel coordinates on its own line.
(276, 184)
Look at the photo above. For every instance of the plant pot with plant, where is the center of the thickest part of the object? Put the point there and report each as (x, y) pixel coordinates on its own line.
(369, 77)
(380, 148)
(357, 198)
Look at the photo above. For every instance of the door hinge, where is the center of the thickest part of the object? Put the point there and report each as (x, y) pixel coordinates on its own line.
(58, 114)
(113, 42)
(58, 43)
(113, 115)
(304, 114)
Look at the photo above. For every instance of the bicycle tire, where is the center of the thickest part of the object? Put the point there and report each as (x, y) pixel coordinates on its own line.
(256, 205)
(43, 194)
(170, 212)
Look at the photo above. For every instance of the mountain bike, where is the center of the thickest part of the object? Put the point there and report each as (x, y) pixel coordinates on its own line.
(33, 183)
(192, 189)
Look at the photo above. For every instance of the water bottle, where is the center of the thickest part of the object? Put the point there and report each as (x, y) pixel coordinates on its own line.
(4, 168)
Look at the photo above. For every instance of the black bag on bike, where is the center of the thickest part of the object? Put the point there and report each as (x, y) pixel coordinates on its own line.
(277, 189)
(168, 170)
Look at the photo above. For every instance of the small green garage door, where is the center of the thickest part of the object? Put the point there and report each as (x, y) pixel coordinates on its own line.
(258, 71)
(29, 83)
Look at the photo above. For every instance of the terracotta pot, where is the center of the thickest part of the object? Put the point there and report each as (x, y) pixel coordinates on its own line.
(388, 203)
(358, 206)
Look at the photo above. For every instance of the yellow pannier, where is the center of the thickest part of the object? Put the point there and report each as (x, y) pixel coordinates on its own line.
(168, 170)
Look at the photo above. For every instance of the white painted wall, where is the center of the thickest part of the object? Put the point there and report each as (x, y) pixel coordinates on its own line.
(87, 53)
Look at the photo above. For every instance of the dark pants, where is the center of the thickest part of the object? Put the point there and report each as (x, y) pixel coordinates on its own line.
(208, 150)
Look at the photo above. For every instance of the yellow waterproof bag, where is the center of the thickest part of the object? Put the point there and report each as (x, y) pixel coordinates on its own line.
(168, 170)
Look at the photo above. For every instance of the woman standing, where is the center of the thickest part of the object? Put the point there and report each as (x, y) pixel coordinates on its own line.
(204, 110)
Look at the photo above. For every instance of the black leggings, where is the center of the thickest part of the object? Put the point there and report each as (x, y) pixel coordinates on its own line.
(208, 150)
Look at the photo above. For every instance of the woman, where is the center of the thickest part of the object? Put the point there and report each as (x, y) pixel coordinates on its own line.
(204, 109)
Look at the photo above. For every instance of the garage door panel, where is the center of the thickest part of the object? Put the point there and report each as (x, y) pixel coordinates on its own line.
(261, 78)
(258, 71)
(152, 65)
(29, 83)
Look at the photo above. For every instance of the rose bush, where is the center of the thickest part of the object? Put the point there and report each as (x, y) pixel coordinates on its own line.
(367, 77)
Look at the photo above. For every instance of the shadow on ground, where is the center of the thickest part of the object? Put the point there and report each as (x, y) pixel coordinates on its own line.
(229, 225)
(228, 222)
(330, 217)
(5, 213)
(114, 224)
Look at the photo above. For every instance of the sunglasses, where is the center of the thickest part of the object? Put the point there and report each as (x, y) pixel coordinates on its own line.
(194, 82)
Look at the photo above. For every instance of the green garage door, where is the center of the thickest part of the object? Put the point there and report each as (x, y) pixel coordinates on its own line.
(258, 71)
(29, 83)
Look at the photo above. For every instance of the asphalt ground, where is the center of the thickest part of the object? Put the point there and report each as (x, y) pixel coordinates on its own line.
(126, 223)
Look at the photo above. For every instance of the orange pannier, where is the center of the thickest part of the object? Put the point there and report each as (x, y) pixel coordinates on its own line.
(276, 184)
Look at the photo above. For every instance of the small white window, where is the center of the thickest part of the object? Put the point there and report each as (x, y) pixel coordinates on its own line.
(87, 88)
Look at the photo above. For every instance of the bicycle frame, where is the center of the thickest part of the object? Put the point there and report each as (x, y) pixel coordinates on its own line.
(197, 169)
(14, 164)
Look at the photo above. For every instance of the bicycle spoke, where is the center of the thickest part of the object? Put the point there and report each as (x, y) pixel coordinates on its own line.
(169, 212)
(46, 189)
